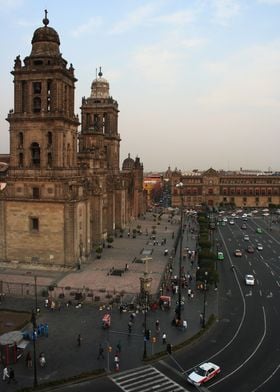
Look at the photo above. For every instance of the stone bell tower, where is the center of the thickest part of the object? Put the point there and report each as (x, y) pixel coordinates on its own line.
(44, 203)
(43, 126)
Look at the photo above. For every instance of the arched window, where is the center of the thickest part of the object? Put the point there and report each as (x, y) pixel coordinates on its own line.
(49, 159)
(20, 159)
(49, 138)
(36, 105)
(20, 139)
(35, 154)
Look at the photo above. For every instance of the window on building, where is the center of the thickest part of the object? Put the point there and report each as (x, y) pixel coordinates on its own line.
(49, 159)
(20, 159)
(35, 154)
(49, 95)
(50, 139)
(35, 193)
(269, 199)
(20, 139)
(34, 224)
(36, 105)
(37, 88)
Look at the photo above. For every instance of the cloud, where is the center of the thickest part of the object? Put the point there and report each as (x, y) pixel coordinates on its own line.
(192, 42)
(133, 19)
(248, 79)
(225, 10)
(88, 27)
(177, 18)
(269, 2)
(10, 4)
(156, 63)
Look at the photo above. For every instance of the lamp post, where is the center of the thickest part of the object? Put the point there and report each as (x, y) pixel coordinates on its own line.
(145, 327)
(180, 186)
(36, 296)
(34, 336)
(204, 299)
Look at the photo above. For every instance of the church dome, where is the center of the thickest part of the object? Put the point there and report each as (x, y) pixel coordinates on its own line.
(100, 87)
(45, 41)
(128, 163)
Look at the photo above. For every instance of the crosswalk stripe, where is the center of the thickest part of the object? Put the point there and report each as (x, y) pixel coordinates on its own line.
(145, 379)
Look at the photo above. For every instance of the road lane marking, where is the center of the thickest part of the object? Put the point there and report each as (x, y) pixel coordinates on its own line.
(268, 378)
(250, 356)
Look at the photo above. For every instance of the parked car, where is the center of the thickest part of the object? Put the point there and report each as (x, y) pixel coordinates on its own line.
(203, 373)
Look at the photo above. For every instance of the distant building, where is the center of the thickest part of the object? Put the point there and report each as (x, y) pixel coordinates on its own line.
(220, 188)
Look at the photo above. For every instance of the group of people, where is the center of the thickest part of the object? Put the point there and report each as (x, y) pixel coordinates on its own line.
(29, 363)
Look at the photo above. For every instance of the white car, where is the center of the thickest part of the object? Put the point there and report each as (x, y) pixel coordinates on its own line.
(249, 280)
(246, 237)
(203, 373)
(259, 247)
(231, 222)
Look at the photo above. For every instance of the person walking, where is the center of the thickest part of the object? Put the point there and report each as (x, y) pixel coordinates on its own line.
(28, 360)
(164, 338)
(119, 348)
(5, 373)
(100, 352)
(157, 327)
(129, 327)
(117, 362)
(79, 340)
(12, 376)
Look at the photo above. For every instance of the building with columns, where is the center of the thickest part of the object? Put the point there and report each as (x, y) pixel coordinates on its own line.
(62, 192)
(224, 188)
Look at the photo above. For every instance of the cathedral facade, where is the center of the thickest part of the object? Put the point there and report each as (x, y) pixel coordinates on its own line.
(62, 191)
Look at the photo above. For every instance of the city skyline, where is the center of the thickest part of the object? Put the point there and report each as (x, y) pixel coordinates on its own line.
(196, 82)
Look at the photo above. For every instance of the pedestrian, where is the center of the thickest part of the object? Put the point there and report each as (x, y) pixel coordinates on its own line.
(164, 338)
(12, 376)
(201, 318)
(157, 327)
(100, 352)
(119, 348)
(5, 373)
(184, 325)
(189, 292)
(28, 360)
(79, 340)
(117, 362)
(129, 327)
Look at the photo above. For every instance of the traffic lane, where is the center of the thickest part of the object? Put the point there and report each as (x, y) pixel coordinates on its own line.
(230, 316)
(261, 372)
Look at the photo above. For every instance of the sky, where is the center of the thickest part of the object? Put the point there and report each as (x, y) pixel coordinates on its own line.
(197, 81)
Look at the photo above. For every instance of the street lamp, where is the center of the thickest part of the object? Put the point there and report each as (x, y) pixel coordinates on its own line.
(145, 326)
(34, 336)
(204, 299)
(180, 186)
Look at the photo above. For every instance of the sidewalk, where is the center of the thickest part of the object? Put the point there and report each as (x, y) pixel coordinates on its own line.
(64, 357)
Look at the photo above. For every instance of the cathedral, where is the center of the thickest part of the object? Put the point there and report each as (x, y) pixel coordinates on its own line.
(62, 192)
